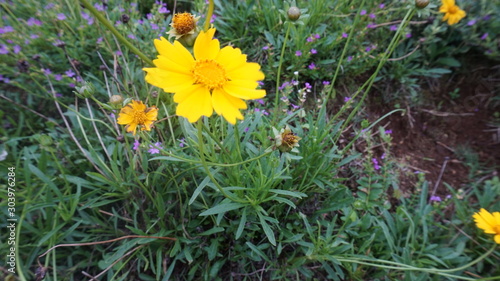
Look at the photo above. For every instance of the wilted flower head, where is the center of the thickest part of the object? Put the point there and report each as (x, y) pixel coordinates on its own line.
(285, 140)
(182, 25)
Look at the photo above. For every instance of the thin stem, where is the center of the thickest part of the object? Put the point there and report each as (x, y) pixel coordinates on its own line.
(115, 32)
(209, 15)
(205, 166)
(276, 98)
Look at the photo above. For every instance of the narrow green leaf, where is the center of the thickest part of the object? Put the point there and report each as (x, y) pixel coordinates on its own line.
(222, 208)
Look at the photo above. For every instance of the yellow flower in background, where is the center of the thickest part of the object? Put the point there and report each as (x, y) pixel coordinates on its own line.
(214, 79)
(183, 24)
(136, 114)
(451, 11)
(489, 222)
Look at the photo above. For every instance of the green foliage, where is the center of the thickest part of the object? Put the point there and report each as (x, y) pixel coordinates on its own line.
(234, 206)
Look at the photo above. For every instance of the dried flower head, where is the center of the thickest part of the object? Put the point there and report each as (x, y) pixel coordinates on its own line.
(285, 140)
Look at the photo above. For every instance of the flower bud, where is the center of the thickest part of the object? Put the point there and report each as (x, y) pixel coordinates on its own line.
(116, 100)
(293, 13)
(421, 3)
(85, 91)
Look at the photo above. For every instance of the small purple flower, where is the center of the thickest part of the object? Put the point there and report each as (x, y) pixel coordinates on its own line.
(118, 53)
(182, 142)
(363, 12)
(99, 7)
(376, 166)
(131, 36)
(310, 39)
(314, 51)
(136, 145)
(155, 148)
(16, 49)
(294, 106)
(69, 73)
(154, 26)
(4, 50)
(46, 71)
(71, 85)
(265, 47)
(261, 101)
(58, 77)
(317, 36)
(435, 198)
(487, 17)
(372, 15)
(393, 28)
(471, 22)
(298, 53)
(345, 35)
(99, 40)
(349, 58)
(308, 86)
(326, 83)
(381, 6)
(49, 6)
(34, 36)
(58, 95)
(371, 25)
(6, 29)
(312, 66)
(408, 35)
(347, 99)
(61, 16)
(33, 21)
(368, 49)
(163, 10)
(286, 83)
(448, 196)
(383, 156)
(484, 36)
(388, 132)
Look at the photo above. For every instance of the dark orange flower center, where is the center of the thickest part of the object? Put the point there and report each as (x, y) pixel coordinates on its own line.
(453, 9)
(209, 73)
(183, 23)
(496, 228)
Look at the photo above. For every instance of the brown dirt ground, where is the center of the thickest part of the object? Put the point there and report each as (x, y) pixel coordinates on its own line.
(429, 138)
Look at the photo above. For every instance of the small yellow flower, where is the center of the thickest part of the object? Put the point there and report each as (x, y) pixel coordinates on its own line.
(137, 114)
(214, 79)
(183, 24)
(451, 11)
(489, 222)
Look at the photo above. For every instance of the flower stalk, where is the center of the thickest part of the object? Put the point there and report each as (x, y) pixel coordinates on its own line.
(115, 32)
(209, 15)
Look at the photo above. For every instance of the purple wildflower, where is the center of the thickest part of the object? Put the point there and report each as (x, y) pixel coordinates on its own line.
(61, 16)
(163, 10)
(261, 101)
(49, 6)
(376, 166)
(154, 26)
(136, 145)
(46, 71)
(349, 58)
(471, 22)
(484, 36)
(310, 39)
(34, 36)
(326, 83)
(371, 25)
(155, 148)
(182, 142)
(99, 6)
(314, 51)
(33, 21)
(4, 50)
(308, 86)
(344, 35)
(131, 36)
(435, 198)
(347, 99)
(363, 12)
(372, 15)
(317, 36)
(6, 29)
(381, 6)
(58, 77)
(298, 53)
(265, 47)
(408, 35)
(16, 49)
(69, 73)
(393, 28)
(312, 66)
(388, 132)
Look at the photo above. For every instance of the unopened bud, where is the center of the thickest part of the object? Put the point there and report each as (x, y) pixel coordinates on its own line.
(116, 100)
(293, 13)
(85, 91)
(421, 3)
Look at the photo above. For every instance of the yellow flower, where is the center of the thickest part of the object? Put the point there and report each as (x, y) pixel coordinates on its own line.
(215, 79)
(137, 114)
(182, 24)
(489, 222)
(452, 12)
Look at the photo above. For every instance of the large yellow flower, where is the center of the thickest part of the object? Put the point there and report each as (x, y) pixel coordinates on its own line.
(451, 11)
(488, 222)
(137, 114)
(215, 79)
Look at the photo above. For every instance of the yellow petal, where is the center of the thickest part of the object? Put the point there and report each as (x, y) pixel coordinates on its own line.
(239, 90)
(231, 58)
(180, 96)
(165, 63)
(198, 104)
(175, 52)
(168, 81)
(124, 119)
(497, 239)
(227, 106)
(205, 47)
(247, 71)
(131, 128)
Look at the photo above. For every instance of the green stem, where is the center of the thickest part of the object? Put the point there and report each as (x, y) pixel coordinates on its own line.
(209, 15)
(205, 166)
(344, 51)
(276, 98)
(115, 32)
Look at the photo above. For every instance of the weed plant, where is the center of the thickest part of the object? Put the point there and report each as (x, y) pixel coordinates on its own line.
(303, 188)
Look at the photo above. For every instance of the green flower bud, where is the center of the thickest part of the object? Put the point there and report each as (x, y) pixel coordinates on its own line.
(116, 100)
(293, 13)
(421, 3)
(85, 91)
